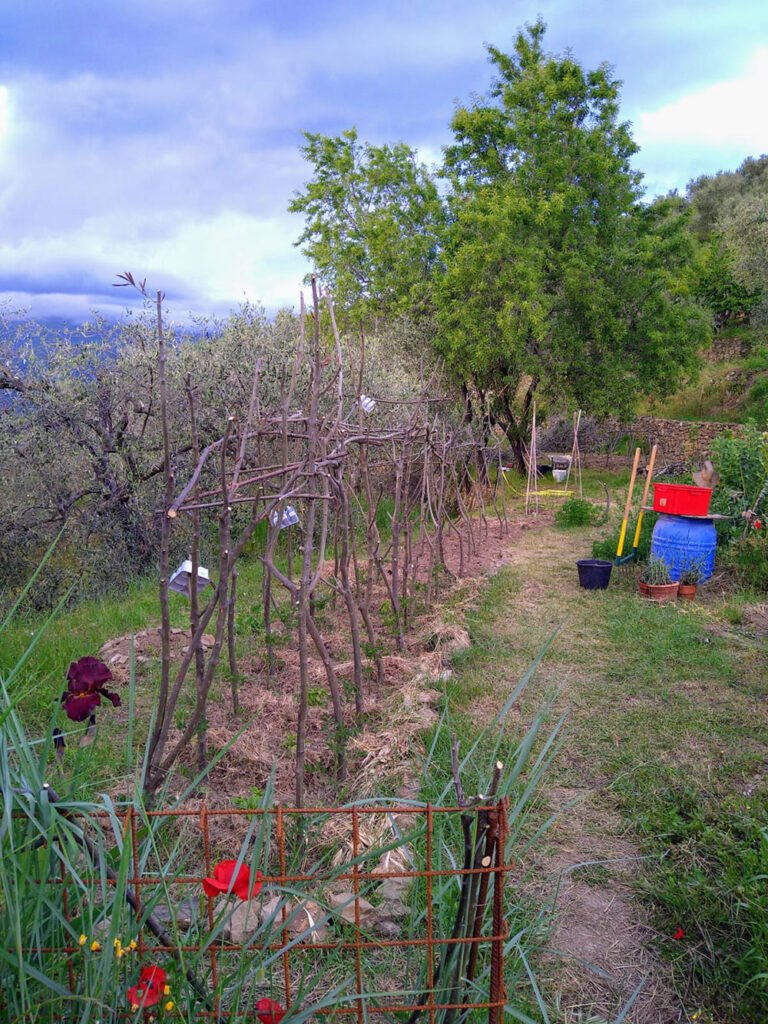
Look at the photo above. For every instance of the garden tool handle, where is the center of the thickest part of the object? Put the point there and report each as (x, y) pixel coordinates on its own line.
(623, 534)
(648, 476)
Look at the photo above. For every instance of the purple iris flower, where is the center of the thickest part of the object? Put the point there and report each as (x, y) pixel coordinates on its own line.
(85, 688)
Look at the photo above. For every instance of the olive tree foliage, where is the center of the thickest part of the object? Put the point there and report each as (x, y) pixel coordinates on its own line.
(373, 217)
(81, 444)
(546, 276)
(78, 447)
(730, 219)
(81, 440)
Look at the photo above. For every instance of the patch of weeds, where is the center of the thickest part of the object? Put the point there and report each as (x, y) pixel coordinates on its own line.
(709, 884)
(734, 614)
(276, 640)
(576, 512)
(606, 548)
(249, 624)
(316, 697)
(388, 618)
(285, 613)
(592, 874)
(348, 687)
(250, 801)
(372, 651)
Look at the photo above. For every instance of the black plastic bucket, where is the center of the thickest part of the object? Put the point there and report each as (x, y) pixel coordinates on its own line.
(594, 573)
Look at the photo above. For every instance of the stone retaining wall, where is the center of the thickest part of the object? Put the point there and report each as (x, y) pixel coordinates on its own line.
(678, 440)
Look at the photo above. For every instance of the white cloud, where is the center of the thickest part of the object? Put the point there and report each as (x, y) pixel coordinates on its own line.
(204, 262)
(231, 257)
(4, 111)
(729, 114)
(181, 168)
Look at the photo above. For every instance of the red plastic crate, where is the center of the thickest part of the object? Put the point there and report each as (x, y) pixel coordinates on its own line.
(681, 499)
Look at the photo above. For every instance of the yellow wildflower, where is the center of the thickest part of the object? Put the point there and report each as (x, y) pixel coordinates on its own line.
(167, 990)
(169, 1005)
(132, 944)
(82, 940)
(95, 946)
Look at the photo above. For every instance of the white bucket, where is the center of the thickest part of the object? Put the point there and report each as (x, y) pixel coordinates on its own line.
(559, 475)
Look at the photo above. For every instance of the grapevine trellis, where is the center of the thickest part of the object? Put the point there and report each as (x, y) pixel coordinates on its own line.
(317, 461)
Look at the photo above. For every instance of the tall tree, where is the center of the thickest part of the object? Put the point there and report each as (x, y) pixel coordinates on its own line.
(373, 217)
(730, 217)
(558, 282)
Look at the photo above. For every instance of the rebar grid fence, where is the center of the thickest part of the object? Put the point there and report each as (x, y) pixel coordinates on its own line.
(383, 912)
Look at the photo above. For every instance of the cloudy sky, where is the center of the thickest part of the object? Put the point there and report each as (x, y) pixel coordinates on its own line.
(163, 136)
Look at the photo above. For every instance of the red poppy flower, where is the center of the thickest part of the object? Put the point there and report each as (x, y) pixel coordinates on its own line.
(679, 934)
(149, 990)
(269, 1011)
(224, 880)
(85, 688)
(757, 524)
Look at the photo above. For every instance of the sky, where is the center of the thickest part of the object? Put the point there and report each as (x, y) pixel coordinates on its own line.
(163, 137)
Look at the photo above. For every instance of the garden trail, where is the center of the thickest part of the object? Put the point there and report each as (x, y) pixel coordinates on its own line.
(599, 953)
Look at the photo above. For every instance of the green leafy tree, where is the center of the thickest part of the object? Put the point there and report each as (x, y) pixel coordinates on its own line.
(373, 220)
(717, 283)
(558, 282)
(730, 215)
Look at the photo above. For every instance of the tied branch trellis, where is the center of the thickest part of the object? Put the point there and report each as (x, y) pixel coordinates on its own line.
(316, 454)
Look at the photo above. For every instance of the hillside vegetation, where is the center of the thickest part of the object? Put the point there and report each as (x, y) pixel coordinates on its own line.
(529, 268)
(731, 386)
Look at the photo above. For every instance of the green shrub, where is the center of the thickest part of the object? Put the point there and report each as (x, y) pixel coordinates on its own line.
(606, 548)
(576, 512)
(748, 557)
(743, 466)
(742, 463)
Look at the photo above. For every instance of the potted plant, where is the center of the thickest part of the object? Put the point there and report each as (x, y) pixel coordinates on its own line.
(690, 577)
(656, 583)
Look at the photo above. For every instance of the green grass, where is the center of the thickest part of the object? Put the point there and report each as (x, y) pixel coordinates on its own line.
(668, 727)
(669, 722)
(31, 906)
(526, 753)
(688, 773)
(82, 630)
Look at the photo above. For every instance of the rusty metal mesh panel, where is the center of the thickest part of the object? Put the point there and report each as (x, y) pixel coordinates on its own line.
(343, 963)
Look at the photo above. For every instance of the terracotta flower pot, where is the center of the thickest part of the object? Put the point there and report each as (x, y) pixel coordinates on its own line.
(643, 588)
(686, 591)
(661, 591)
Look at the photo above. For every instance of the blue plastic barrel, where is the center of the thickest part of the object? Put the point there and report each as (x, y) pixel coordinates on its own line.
(681, 541)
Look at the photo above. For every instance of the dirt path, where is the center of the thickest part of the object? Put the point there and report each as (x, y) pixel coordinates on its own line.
(598, 947)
